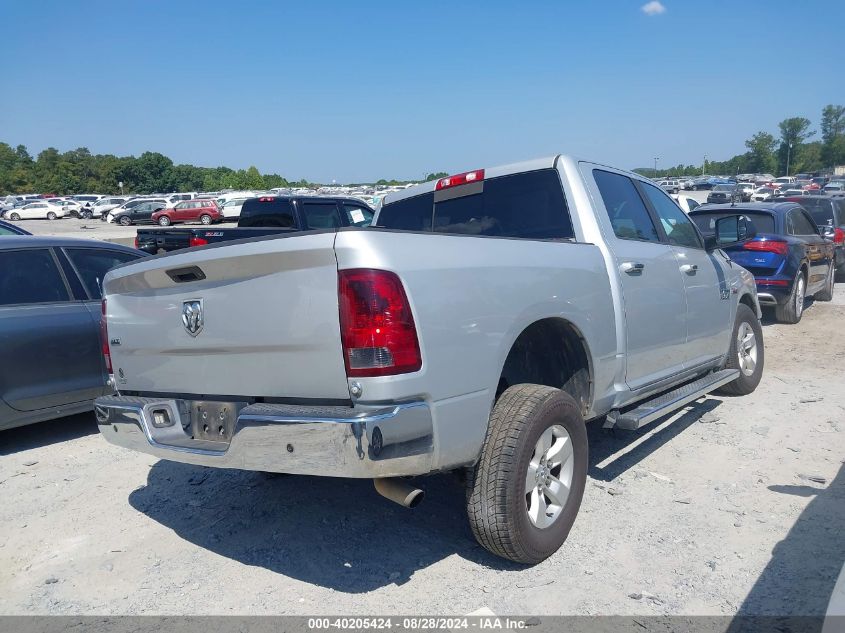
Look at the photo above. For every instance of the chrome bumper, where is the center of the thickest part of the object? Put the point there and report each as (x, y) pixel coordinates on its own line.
(361, 442)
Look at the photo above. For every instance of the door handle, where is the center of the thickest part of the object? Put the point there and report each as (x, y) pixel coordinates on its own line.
(635, 269)
(689, 269)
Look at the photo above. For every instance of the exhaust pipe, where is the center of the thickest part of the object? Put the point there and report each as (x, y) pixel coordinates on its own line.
(398, 491)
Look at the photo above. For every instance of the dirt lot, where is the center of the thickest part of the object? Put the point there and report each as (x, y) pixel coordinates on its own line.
(733, 505)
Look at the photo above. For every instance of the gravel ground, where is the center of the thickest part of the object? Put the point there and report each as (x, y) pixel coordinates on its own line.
(735, 505)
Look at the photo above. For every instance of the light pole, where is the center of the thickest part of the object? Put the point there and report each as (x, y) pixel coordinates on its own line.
(788, 152)
(704, 165)
(656, 158)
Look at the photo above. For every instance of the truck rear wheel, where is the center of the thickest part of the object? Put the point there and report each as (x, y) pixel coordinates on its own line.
(525, 491)
(826, 294)
(746, 353)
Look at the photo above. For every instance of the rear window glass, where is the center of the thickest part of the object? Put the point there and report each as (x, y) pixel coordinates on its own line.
(706, 222)
(30, 276)
(267, 211)
(527, 205)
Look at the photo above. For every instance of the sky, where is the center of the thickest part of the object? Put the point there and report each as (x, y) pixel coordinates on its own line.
(357, 91)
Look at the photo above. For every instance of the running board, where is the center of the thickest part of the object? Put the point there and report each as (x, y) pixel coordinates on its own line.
(651, 410)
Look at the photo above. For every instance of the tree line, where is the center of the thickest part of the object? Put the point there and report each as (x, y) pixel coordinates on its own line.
(796, 144)
(80, 171)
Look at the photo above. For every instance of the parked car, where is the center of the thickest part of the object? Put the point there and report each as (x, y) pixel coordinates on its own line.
(176, 198)
(261, 217)
(686, 203)
(485, 311)
(41, 210)
(723, 193)
(763, 194)
(51, 363)
(102, 206)
(783, 181)
(204, 211)
(829, 216)
(789, 191)
(670, 185)
(7, 228)
(789, 258)
(744, 191)
(834, 187)
(72, 207)
(137, 211)
(231, 208)
(86, 200)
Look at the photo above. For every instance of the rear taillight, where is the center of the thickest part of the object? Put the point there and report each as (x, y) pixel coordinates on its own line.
(136, 241)
(838, 236)
(768, 246)
(104, 339)
(460, 179)
(376, 325)
(197, 241)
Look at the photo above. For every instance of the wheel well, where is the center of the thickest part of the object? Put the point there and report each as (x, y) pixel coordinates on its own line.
(549, 352)
(746, 299)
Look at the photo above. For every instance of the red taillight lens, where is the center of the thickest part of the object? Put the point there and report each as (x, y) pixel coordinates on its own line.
(376, 325)
(838, 236)
(104, 339)
(460, 179)
(136, 241)
(768, 246)
(197, 241)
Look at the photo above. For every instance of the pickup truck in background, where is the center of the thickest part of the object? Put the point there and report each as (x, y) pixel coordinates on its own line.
(475, 327)
(262, 217)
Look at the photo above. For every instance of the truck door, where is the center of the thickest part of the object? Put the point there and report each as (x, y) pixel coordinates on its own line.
(709, 301)
(653, 295)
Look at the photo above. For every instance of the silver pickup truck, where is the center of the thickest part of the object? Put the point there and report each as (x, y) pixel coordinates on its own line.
(476, 327)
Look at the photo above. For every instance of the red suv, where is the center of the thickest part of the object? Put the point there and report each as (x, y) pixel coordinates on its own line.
(202, 210)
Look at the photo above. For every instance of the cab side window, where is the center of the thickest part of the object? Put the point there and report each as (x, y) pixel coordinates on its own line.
(628, 215)
(677, 226)
(357, 216)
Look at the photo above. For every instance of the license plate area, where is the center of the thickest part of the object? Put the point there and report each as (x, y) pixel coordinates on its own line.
(214, 421)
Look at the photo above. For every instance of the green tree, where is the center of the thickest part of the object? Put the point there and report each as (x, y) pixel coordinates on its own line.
(793, 132)
(253, 179)
(761, 153)
(833, 135)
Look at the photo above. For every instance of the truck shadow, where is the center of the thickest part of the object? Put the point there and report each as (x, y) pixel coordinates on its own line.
(811, 556)
(604, 443)
(335, 533)
(24, 438)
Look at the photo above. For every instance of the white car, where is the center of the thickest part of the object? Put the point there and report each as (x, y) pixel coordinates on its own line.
(43, 209)
(231, 209)
(763, 194)
(686, 203)
(71, 207)
(102, 206)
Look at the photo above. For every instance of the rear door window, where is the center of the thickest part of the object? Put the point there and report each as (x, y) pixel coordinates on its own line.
(92, 264)
(627, 212)
(320, 215)
(30, 276)
(267, 211)
(357, 215)
(527, 205)
(800, 224)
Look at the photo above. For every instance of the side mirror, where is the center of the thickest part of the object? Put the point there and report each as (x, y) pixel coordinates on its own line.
(730, 231)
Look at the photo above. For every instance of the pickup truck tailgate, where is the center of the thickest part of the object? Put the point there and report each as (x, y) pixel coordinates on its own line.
(269, 323)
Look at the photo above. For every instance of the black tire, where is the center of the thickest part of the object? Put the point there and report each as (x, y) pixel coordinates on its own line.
(164, 221)
(745, 383)
(87, 215)
(496, 502)
(125, 221)
(826, 294)
(14, 216)
(205, 219)
(791, 311)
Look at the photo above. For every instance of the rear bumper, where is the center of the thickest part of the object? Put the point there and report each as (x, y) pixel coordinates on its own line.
(359, 442)
(770, 295)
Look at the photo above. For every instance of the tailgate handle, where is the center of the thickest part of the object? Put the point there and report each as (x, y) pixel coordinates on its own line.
(189, 273)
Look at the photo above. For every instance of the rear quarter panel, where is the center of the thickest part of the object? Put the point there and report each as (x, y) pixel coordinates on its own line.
(471, 298)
